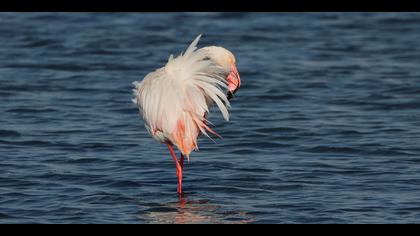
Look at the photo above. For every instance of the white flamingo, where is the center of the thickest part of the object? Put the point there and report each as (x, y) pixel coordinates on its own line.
(174, 100)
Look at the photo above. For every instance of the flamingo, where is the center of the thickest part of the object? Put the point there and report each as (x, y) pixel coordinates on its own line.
(174, 100)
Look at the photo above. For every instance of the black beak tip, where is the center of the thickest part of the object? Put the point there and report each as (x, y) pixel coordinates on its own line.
(229, 95)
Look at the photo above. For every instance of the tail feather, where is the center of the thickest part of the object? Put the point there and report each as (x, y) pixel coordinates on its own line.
(193, 46)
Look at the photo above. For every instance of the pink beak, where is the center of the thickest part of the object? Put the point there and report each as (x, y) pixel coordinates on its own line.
(234, 81)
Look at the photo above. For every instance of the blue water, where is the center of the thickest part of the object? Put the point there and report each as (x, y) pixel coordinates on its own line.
(325, 128)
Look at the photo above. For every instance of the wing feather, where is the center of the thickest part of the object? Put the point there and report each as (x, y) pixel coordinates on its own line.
(181, 91)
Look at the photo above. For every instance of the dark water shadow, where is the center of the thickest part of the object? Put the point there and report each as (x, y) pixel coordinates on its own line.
(189, 210)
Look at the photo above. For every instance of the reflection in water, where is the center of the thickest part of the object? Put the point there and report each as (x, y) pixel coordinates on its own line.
(194, 212)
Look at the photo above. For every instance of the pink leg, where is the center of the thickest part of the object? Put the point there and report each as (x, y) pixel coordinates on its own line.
(178, 168)
(182, 162)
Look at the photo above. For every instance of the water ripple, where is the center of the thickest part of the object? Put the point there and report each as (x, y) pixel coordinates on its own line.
(323, 130)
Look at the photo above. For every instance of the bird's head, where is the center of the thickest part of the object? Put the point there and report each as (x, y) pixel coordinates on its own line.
(226, 60)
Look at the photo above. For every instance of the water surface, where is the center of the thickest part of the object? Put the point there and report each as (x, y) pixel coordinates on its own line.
(325, 128)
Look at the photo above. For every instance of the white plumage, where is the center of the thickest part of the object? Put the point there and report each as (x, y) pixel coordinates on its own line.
(175, 99)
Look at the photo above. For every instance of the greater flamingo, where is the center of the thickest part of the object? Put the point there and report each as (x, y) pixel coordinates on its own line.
(174, 100)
